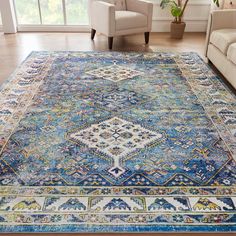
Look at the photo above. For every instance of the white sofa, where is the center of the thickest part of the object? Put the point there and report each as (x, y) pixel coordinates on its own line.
(221, 43)
(120, 17)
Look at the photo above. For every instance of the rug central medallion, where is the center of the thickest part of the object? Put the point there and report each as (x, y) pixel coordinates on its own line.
(116, 99)
(115, 73)
(116, 138)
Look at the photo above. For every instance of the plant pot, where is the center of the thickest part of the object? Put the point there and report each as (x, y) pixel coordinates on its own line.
(177, 30)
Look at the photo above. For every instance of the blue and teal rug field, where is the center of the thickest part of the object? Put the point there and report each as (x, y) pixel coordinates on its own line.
(117, 142)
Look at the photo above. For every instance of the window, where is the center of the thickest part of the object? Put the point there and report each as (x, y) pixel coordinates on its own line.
(51, 12)
(0, 19)
(27, 12)
(76, 12)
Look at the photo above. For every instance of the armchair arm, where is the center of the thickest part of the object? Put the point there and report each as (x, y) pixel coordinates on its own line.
(220, 19)
(142, 7)
(102, 16)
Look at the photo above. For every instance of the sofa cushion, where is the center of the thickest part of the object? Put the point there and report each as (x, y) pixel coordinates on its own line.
(231, 54)
(223, 38)
(119, 4)
(129, 20)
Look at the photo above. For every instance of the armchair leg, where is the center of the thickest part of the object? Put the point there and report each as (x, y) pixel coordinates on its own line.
(93, 32)
(146, 35)
(110, 42)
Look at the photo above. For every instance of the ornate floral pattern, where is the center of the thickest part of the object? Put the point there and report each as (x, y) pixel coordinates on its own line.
(116, 142)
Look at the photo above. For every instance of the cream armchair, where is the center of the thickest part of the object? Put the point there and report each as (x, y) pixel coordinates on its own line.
(120, 17)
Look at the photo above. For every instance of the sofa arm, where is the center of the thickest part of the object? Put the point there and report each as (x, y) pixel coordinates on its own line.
(220, 19)
(102, 16)
(143, 7)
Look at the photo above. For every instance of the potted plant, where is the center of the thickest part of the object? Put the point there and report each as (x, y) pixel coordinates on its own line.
(178, 8)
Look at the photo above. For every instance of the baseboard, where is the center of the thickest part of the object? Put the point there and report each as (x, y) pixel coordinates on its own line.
(157, 26)
(53, 28)
(191, 26)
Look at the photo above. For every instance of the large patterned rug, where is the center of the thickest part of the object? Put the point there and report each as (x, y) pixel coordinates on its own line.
(117, 142)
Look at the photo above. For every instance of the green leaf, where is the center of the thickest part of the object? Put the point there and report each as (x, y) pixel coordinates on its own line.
(176, 11)
(216, 2)
(167, 3)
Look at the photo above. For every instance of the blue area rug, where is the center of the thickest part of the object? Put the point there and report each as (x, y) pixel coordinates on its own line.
(117, 142)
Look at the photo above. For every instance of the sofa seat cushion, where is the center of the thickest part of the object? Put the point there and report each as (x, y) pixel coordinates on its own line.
(223, 38)
(129, 20)
(231, 54)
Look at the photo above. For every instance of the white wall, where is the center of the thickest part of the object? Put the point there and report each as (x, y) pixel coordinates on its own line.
(196, 16)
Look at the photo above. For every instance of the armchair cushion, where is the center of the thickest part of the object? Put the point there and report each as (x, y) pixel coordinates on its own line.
(231, 54)
(129, 20)
(120, 5)
(223, 38)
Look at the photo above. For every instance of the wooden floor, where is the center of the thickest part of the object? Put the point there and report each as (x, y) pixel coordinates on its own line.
(15, 47)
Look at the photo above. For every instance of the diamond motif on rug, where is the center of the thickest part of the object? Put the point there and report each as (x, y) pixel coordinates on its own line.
(116, 99)
(116, 138)
(115, 73)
